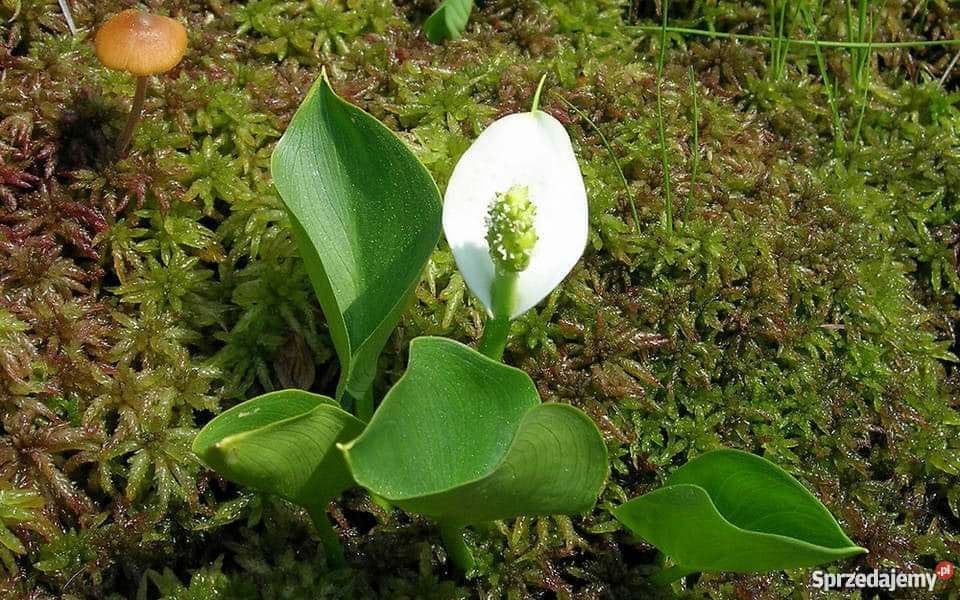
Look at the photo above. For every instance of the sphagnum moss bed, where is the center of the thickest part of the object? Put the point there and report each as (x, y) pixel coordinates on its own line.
(793, 294)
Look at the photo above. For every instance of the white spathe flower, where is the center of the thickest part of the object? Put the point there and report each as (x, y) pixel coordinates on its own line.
(530, 150)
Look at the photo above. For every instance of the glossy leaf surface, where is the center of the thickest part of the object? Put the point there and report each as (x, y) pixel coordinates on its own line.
(366, 216)
(729, 510)
(282, 443)
(463, 438)
(449, 20)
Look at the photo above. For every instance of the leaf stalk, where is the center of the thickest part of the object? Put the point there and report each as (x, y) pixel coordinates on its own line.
(365, 406)
(670, 574)
(328, 537)
(460, 554)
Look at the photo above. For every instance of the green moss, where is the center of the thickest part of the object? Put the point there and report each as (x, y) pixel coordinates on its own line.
(804, 308)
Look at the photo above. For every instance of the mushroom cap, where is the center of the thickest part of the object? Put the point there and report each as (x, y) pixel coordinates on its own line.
(140, 43)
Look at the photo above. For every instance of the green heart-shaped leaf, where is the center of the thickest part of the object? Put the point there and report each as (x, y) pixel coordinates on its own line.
(729, 510)
(448, 21)
(464, 439)
(282, 443)
(365, 215)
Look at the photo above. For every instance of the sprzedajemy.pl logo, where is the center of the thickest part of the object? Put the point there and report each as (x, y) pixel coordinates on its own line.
(890, 581)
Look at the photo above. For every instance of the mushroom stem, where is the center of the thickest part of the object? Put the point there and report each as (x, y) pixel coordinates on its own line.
(123, 142)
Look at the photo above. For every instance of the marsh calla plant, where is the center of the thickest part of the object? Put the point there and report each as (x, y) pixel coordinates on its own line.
(464, 439)
(283, 443)
(366, 216)
(729, 510)
(448, 21)
(461, 438)
(515, 216)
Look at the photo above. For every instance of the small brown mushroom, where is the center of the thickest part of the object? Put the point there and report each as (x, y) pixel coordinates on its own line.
(141, 44)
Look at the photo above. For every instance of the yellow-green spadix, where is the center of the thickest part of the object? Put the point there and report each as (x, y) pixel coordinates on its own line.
(525, 162)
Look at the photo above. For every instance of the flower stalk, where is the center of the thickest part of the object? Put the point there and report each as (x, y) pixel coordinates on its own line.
(497, 328)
